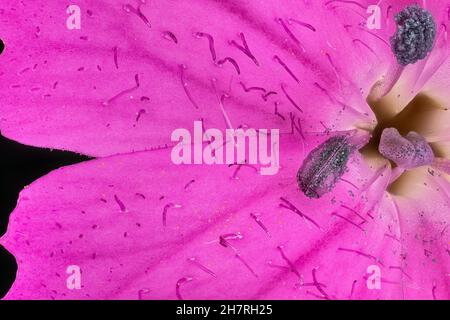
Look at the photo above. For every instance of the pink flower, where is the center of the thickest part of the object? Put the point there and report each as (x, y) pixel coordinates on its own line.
(139, 226)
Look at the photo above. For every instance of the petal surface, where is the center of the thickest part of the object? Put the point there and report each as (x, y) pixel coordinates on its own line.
(422, 229)
(132, 74)
(226, 235)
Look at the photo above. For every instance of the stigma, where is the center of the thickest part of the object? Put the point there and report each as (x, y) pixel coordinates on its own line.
(410, 151)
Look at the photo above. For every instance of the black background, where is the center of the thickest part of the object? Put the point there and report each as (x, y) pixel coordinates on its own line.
(21, 165)
(298, 310)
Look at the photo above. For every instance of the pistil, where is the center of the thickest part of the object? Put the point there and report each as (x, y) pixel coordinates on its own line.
(407, 152)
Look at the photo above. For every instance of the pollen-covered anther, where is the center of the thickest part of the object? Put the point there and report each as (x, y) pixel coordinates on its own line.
(407, 152)
(416, 32)
(324, 166)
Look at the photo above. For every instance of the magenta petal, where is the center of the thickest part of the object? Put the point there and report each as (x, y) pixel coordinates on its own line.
(438, 87)
(422, 231)
(137, 226)
(118, 85)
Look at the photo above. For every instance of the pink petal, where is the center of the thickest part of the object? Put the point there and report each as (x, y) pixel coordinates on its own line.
(116, 84)
(422, 230)
(106, 216)
(438, 88)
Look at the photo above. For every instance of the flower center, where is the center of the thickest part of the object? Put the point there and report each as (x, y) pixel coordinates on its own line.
(400, 137)
(416, 31)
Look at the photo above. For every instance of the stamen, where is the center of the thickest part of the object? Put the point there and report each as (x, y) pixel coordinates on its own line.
(324, 166)
(407, 152)
(414, 39)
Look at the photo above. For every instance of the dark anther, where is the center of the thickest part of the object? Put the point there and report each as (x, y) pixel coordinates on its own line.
(324, 166)
(414, 39)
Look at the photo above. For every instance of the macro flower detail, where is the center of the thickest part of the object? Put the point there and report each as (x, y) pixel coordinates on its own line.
(132, 224)
(409, 152)
(324, 166)
(416, 32)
